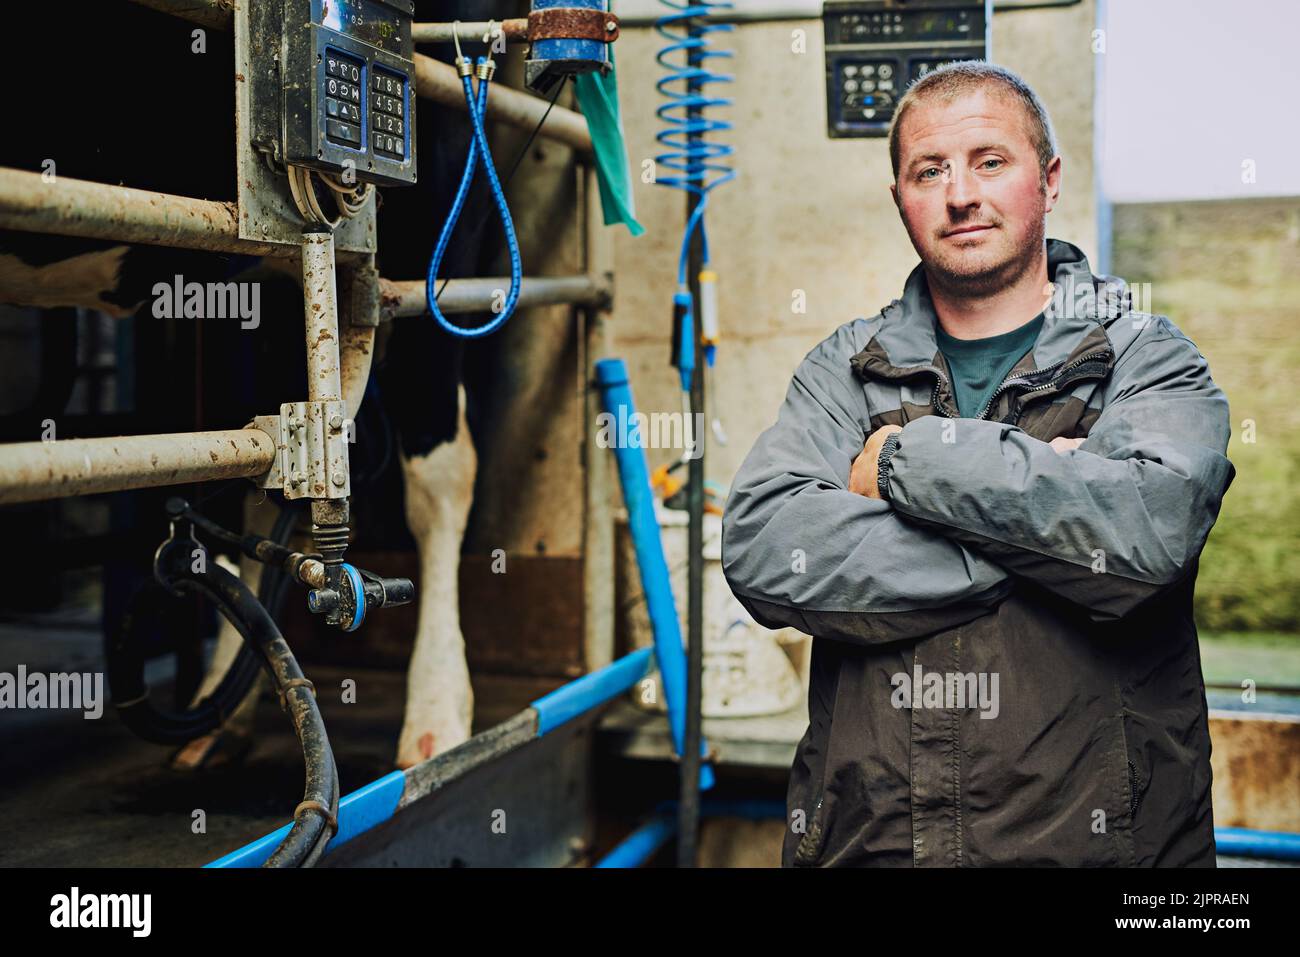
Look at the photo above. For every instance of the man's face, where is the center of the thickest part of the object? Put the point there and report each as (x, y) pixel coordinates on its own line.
(970, 191)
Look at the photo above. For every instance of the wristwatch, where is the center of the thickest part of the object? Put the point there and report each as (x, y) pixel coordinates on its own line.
(882, 464)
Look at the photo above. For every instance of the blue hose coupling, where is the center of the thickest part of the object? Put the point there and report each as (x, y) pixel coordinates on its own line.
(343, 601)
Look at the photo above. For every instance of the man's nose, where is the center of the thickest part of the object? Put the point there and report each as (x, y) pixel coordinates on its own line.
(962, 190)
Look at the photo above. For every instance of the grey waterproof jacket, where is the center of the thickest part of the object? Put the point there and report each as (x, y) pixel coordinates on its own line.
(1005, 669)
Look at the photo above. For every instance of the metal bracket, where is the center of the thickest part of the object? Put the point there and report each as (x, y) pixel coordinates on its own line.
(274, 476)
(312, 450)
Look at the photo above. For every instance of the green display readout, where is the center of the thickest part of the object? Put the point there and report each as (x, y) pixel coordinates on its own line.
(365, 20)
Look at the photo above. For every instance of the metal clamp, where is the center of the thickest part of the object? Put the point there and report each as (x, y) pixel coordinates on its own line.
(311, 450)
(572, 23)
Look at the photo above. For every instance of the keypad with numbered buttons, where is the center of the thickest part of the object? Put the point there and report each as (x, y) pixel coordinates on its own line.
(343, 79)
(388, 93)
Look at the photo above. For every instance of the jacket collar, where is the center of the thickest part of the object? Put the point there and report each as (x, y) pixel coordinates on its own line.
(1073, 325)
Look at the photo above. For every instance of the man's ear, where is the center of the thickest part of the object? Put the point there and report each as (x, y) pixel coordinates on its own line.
(1053, 187)
(893, 191)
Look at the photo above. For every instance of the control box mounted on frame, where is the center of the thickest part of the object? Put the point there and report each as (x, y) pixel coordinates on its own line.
(333, 87)
(876, 48)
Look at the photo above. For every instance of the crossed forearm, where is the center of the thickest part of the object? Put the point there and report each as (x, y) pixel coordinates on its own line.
(864, 474)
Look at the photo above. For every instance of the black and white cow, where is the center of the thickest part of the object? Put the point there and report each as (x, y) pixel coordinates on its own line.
(157, 115)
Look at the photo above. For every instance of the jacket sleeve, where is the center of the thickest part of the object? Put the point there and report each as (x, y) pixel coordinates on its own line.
(800, 550)
(1108, 525)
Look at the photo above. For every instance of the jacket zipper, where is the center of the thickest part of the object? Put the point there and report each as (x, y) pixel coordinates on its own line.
(1134, 798)
(1059, 368)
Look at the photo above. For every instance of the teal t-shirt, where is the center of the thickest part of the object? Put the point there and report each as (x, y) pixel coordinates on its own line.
(979, 365)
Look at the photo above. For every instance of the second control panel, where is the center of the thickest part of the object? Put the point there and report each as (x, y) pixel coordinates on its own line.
(876, 48)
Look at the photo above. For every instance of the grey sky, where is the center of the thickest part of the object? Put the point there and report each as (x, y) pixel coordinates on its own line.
(1192, 88)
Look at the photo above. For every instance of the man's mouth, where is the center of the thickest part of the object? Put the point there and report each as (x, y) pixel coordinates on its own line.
(966, 230)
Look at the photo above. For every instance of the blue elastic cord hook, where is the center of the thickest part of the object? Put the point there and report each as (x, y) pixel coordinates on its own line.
(478, 151)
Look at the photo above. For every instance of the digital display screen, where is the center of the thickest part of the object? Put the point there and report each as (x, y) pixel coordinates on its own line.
(364, 20)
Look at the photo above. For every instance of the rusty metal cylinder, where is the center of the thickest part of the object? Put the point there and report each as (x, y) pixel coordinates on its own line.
(471, 32)
(71, 207)
(321, 300)
(34, 471)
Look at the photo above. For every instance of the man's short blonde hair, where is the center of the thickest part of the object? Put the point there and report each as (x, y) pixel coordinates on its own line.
(952, 80)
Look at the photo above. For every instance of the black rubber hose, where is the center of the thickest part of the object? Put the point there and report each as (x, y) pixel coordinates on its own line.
(314, 819)
(126, 662)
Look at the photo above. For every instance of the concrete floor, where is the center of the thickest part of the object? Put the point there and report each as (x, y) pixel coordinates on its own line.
(86, 793)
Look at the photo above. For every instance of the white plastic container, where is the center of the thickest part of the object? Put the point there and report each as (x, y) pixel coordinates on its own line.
(747, 670)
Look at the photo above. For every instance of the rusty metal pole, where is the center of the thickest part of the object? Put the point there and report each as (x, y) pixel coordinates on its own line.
(71, 207)
(514, 31)
(320, 292)
(325, 411)
(438, 81)
(407, 297)
(35, 471)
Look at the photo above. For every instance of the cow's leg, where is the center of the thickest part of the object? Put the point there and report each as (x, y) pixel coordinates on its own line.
(233, 738)
(439, 699)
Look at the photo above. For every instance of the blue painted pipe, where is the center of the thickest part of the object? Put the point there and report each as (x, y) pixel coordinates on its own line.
(359, 811)
(1277, 845)
(634, 474)
(375, 803)
(585, 693)
(641, 845)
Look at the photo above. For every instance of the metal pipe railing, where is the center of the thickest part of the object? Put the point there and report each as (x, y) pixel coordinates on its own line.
(34, 471)
(320, 293)
(407, 298)
(515, 31)
(75, 207)
(439, 82)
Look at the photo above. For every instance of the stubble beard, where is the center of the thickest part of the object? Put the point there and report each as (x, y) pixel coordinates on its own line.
(960, 280)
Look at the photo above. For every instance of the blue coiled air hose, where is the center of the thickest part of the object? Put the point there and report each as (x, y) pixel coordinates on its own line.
(694, 158)
(478, 152)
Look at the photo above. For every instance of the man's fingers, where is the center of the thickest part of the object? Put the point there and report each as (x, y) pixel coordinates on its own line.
(1063, 444)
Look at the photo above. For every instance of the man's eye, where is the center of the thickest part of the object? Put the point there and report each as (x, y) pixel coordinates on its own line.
(996, 162)
(925, 173)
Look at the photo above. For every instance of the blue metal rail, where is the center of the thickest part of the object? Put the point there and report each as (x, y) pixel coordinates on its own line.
(378, 801)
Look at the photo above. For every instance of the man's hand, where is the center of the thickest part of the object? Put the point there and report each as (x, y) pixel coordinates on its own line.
(862, 477)
(1064, 445)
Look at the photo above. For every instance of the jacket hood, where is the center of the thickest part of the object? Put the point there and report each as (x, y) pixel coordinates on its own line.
(1073, 322)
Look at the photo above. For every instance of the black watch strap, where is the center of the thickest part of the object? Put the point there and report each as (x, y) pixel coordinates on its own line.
(882, 464)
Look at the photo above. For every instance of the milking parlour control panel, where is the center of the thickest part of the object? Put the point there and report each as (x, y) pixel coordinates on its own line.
(876, 48)
(334, 86)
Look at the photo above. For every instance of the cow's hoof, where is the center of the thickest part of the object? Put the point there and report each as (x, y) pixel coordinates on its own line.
(213, 750)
